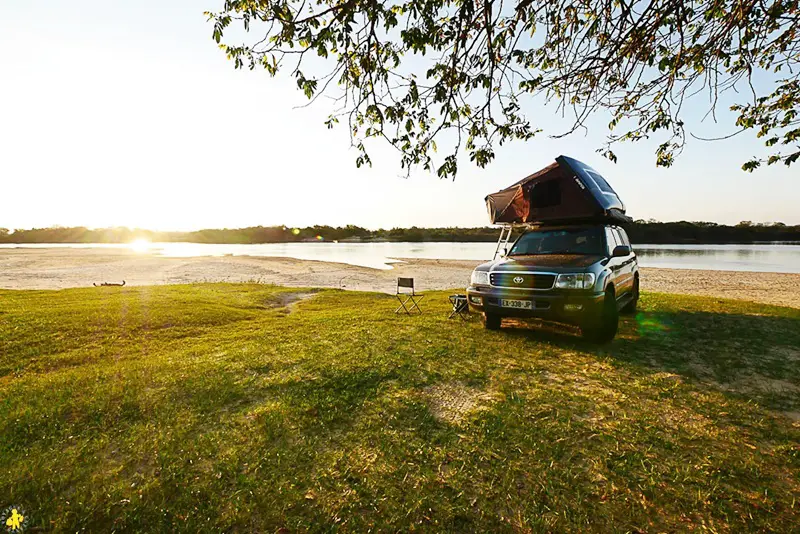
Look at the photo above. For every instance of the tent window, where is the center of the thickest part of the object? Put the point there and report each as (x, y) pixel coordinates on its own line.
(546, 194)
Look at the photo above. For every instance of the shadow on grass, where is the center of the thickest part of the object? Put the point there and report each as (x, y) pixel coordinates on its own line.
(756, 357)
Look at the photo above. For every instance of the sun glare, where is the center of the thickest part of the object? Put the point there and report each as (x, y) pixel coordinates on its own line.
(139, 245)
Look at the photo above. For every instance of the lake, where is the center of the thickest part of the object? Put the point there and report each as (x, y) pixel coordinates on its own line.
(764, 257)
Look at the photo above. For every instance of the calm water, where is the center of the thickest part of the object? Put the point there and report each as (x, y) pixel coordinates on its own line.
(759, 258)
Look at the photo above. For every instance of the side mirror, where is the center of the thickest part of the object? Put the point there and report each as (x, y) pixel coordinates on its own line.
(621, 251)
(505, 251)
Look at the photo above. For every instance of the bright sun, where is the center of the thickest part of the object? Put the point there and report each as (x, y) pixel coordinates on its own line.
(139, 245)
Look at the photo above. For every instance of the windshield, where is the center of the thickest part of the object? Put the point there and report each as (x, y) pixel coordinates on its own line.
(563, 241)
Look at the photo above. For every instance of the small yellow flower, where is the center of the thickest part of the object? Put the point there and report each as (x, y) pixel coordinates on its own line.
(15, 521)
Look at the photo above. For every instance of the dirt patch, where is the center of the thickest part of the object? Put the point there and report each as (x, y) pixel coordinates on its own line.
(755, 383)
(288, 300)
(701, 370)
(454, 402)
(785, 353)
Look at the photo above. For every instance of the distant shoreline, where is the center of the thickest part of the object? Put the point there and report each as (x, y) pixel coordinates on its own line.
(13, 244)
(657, 233)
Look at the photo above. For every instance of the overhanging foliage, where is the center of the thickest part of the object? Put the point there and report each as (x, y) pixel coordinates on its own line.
(638, 62)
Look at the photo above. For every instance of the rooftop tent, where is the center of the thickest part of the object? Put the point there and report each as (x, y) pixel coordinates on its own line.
(566, 190)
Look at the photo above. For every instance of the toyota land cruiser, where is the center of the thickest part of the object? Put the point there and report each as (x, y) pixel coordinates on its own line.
(581, 274)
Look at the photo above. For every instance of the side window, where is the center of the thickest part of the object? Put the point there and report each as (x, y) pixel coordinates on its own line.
(618, 236)
(624, 236)
(611, 240)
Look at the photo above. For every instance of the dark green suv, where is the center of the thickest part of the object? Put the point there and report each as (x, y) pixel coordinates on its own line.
(582, 274)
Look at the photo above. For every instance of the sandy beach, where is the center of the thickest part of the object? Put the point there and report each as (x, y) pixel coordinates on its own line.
(58, 268)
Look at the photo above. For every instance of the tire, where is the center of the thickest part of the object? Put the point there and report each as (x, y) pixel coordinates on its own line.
(491, 321)
(630, 307)
(603, 327)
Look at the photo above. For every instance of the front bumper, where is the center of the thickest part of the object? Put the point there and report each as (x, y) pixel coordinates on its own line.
(562, 305)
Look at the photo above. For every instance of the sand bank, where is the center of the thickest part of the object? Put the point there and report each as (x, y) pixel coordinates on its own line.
(57, 268)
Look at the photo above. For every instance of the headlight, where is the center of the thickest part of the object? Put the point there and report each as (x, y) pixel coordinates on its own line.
(479, 278)
(575, 281)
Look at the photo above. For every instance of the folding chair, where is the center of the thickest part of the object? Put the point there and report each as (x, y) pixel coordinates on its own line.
(460, 307)
(404, 296)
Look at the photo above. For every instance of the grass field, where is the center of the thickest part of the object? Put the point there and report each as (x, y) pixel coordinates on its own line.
(225, 408)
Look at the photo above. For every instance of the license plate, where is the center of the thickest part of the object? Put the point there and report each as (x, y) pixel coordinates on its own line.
(520, 304)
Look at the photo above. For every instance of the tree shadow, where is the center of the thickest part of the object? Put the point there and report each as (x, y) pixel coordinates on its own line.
(754, 357)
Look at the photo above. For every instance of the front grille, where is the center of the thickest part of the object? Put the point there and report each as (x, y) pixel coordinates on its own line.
(522, 281)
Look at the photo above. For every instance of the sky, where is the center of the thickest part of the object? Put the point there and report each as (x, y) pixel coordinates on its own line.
(119, 113)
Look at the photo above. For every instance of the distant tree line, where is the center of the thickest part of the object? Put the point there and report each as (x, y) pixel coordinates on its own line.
(684, 232)
(640, 231)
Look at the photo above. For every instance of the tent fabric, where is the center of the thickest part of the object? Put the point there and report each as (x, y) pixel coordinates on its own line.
(564, 191)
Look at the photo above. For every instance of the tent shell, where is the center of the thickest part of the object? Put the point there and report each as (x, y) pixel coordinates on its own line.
(566, 191)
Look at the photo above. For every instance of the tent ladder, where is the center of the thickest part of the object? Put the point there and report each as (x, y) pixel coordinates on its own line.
(502, 242)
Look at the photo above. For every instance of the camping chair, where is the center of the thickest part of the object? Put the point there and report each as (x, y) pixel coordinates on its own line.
(460, 307)
(404, 296)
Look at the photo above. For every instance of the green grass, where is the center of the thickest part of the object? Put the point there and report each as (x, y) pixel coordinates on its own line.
(216, 408)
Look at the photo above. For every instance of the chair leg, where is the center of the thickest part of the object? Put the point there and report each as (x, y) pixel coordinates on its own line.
(416, 299)
(402, 305)
(463, 313)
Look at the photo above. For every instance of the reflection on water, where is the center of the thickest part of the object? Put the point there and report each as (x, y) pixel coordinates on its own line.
(760, 258)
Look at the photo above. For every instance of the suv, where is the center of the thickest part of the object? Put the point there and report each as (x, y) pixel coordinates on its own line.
(577, 274)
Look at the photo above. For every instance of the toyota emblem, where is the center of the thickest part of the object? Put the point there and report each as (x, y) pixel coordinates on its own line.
(518, 279)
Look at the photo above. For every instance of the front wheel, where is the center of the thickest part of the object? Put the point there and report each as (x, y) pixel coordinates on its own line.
(491, 321)
(603, 327)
